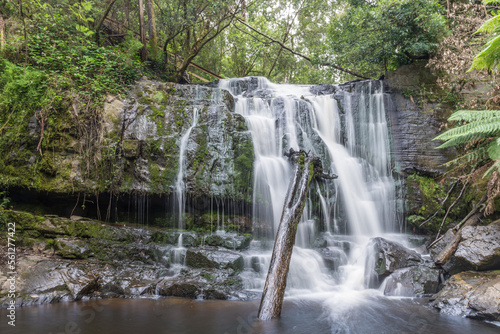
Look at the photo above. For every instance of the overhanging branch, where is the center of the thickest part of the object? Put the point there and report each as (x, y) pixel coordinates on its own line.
(298, 53)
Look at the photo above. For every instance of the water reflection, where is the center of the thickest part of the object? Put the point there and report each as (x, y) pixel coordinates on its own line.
(317, 314)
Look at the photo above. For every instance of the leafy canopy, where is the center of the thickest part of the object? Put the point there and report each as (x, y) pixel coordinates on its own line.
(375, 36)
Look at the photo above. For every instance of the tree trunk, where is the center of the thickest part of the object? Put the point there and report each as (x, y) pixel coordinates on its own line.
(2, 33)
(21, 14)
(144, 51)
(101, 21)
(127, 12)
(153, 38)
(274, 290)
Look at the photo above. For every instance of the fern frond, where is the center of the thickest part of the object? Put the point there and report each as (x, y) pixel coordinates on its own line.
(472, 156)
(490, 26)
(462, 140)
(488, 2)
(494, 150)
(496, 166)
(489, 57)
(473, 115)
(484, 127)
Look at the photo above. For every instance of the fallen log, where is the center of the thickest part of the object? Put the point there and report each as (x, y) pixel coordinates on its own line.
(472, 219)
(305, 167)
(452, 246)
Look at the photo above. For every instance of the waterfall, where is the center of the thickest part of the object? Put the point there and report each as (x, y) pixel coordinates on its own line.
(349, 131)
(180, 186)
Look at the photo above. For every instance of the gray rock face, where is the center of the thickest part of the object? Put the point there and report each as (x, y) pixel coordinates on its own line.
(219, 151)
(479, 249)
(412, 132)
(471, 294)
(387, 257)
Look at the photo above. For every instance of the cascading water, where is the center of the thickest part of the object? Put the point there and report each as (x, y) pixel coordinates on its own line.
(353, 142)
(180, 186)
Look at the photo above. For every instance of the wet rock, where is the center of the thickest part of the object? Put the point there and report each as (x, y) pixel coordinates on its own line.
(333, 257)
(197, 259)
(387, 257)
(412, 281)
(471, 294)
(214, 294)
(186, 290)
(164, 237)
(229, 241)
(479, 249)
(218, 259)
(71, 248)
(322, 89)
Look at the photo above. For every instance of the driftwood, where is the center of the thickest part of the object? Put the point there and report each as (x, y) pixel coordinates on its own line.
(305, 166)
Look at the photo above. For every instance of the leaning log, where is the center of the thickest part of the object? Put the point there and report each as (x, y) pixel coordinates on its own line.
(472, 219)
(305, 167)
(452, 246)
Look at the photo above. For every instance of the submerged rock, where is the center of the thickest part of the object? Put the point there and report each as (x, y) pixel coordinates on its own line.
(471, 294)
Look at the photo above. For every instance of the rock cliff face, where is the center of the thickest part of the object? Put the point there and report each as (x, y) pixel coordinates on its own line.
(140, 148)
(218, 153)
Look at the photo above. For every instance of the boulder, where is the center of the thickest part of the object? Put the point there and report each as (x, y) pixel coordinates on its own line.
(471, 294)
(412, 281)
(186, 290)
(72, 248)
(214, 258)
(333, 257)
(479, 250)
(229, 241)
(386, 257)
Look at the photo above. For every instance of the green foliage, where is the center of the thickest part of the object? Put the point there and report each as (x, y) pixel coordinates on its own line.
(482, 127)
(4, 200)
(373, 37)
(488, 58)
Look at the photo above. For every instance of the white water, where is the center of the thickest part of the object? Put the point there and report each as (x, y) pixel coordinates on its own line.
(354, 144)
(180, 186)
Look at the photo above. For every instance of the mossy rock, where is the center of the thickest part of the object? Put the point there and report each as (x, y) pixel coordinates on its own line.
(196, 259)
(72, 249)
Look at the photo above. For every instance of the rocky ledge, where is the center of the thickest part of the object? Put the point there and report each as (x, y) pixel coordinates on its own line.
(471, 294)
(474, 288)
(61, 259)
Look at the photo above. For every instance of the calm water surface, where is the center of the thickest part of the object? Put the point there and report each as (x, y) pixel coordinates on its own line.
(176, 315)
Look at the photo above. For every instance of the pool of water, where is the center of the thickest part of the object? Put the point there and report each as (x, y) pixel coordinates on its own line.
(316, 314)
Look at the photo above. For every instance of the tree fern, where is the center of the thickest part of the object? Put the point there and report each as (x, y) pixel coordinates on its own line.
(485, 127)
(489, 57)
(473, 115)
(482, 125)
(464, 139)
